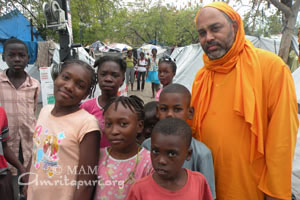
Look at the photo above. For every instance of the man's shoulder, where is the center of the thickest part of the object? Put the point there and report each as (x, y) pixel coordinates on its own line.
(265, 56)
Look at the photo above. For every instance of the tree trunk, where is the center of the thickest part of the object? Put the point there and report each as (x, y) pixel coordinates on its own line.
(286, 37)
(290, 13)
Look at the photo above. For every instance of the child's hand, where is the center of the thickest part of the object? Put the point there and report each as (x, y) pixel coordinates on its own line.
(24, 178)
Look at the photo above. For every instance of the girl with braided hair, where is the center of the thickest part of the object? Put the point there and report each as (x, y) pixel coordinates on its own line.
(124, 162)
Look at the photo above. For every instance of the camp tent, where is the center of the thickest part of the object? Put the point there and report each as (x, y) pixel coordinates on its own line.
(14, 24)
(147, 49)
(296, 168)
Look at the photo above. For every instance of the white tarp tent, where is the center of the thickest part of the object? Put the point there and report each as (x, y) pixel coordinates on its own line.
(119, 46)
(296, 168)
(147, 49)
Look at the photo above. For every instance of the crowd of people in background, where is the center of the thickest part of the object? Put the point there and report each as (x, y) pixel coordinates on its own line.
(231, 137)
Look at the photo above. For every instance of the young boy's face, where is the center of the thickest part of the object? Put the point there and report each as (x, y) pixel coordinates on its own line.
(175, 105)
(16, 56)
(168, 153)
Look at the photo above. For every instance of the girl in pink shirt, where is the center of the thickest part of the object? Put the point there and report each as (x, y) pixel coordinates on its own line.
(124, 162)
(111, 75)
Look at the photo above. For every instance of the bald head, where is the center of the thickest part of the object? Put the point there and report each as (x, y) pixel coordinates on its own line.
(216, 32)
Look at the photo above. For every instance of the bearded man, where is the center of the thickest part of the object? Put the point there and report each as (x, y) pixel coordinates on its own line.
(245, 110)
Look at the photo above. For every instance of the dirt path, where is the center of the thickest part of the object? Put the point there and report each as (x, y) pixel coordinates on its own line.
(145, 95)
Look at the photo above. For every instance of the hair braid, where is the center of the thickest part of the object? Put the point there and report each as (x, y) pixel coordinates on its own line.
(134, 103)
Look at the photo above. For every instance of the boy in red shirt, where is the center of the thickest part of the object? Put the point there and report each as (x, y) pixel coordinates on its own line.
(6, 188)
(170, 147)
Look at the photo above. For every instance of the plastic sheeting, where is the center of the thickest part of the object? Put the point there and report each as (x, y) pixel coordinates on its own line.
(296, 169)
(147, 49)
(14, 24)
(188, 60)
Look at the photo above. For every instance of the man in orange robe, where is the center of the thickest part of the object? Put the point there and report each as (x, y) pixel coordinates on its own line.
(245, 110)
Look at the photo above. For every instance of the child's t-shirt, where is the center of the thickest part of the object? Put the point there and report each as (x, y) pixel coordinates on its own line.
(3, 137)
(55, 155)
(201, 161)
(196, 188)
(158, 94)
(92, 106)
(153, 64)
(116, 176)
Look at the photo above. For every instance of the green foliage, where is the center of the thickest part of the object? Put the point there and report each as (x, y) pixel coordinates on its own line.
(264, 25)
(135, 23)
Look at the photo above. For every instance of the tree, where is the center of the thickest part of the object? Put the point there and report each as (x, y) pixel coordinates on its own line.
(290, 10)
(135, 23)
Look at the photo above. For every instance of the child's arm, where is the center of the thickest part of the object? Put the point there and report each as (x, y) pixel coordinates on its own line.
(36, 97)
(11, 158)
(88, 160)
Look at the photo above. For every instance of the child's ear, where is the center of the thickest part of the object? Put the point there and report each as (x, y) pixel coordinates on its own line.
(189, 154)
(140, 126)
(191, 113)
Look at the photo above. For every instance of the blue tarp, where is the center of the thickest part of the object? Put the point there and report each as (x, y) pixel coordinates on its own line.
(14, 24)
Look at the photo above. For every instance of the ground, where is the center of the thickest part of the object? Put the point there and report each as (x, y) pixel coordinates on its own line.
(145, 95)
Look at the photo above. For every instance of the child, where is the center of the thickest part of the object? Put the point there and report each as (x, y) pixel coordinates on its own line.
(66, 139)
(19, 97)
(142, 68)
(166, 72)
(130, 62)
(174, 102)
(152, 72)
(124, 162)
(111, 75)
(149, 121)
(170, 147)
(6, 187)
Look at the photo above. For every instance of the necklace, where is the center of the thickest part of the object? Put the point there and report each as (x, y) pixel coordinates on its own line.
(131, 176)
